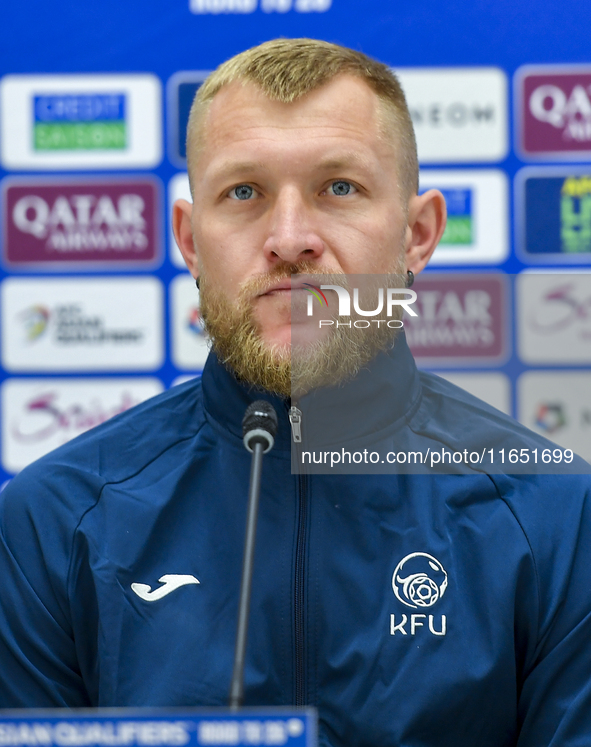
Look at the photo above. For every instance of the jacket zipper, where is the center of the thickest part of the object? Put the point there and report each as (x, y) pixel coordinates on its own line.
(295, 419)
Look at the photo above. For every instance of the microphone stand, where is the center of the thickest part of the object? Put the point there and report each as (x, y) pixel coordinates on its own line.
(237, 684)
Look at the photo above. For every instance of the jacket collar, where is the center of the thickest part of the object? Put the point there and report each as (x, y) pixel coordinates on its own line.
(379, 399)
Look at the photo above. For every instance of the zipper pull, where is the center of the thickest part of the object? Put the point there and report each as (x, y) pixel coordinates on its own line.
(295, 418)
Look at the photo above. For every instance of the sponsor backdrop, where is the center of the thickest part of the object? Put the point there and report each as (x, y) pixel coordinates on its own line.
(98, 312)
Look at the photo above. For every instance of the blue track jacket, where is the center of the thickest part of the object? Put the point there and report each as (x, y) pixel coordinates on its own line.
(412, 610)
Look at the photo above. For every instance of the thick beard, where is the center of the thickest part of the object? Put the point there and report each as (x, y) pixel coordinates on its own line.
(282, 370)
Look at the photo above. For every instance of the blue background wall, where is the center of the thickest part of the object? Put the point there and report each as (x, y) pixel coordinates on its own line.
(164, 38)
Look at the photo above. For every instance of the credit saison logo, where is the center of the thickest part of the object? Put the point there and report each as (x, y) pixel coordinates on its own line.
(419, 582)
(88, 122)
(477, 221)
(459, 228)
(91, 121)
(386, 302)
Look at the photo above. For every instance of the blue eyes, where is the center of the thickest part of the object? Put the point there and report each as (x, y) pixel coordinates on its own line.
(338, 188)
(341, 188)
(242, 192)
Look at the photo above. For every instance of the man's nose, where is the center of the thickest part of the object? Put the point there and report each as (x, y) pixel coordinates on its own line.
(292, 235)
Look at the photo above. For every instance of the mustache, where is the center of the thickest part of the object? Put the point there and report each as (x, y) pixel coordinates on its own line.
(262, 283)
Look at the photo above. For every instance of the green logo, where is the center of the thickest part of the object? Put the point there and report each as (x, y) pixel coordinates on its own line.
(459, 217)
(73, 122)
(575, 215)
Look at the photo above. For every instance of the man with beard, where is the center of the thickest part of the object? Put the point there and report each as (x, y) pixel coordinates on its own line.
(433, 609)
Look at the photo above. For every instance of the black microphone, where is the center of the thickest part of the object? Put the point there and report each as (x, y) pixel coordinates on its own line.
(259, 427)
(259, 424)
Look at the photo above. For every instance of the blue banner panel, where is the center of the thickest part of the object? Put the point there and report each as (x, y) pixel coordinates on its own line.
(557, 216)
(185, 95)
(156, 728)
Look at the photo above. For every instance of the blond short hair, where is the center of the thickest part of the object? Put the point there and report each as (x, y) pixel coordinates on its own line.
(287, 69)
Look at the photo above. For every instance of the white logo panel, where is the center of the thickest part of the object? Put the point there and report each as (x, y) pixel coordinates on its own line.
(492, 388)
(62, 122)
(477, 229)
(82, 325)
(419, 580)
(554, 317)
(557, 404)
(189, 342)
(178, 189)
(459, 114)
(38, 415)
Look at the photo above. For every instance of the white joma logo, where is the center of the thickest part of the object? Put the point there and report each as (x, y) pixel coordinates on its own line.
(170, 581)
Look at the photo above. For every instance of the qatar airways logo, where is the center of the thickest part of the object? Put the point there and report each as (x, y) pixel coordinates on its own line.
(386, 300)
(570, 113)
(77, 221)
(555, 110)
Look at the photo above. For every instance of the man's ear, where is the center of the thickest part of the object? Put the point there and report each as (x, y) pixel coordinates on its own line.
(427, 215)
(183, 233)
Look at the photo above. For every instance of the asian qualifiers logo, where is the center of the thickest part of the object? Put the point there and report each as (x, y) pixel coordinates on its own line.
(70, 325)
(35, 320)
(392, 300)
